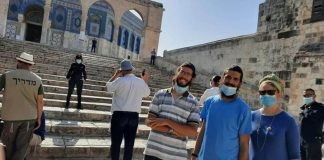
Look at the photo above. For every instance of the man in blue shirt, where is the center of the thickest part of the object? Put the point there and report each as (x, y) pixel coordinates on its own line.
(226, 122)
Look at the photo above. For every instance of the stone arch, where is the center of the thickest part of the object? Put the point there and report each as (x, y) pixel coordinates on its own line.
(101, 25)
(133, 24)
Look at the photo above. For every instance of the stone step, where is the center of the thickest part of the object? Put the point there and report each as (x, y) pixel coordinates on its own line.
(78, 147)
(60, 89)
(85, 114)
(86, 128)
(86, 98)
(85, 105)
(103, 88)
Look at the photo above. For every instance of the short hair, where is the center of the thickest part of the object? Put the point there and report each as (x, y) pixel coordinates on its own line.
(216, 79)
(309, 89)
(234, 68)
(78, 56)
(189, 65)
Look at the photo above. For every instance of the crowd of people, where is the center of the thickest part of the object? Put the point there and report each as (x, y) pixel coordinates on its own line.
(228, 128)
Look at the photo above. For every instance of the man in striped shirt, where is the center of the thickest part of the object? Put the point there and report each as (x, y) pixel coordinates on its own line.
(173, 117)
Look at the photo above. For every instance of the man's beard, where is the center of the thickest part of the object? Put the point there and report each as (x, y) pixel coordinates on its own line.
(229, 97)
(181, 85)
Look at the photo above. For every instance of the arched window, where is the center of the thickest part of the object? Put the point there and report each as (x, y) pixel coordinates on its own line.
(125, 39)
(120, 31)
(138, 45)
(132, 42)
(317, 10)
(94, 25)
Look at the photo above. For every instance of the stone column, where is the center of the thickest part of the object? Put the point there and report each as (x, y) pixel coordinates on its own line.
(20, 35)
(83, 22)
(46, 21)
(114, 46)
(3, 18)
(116, 31)
(150, 41)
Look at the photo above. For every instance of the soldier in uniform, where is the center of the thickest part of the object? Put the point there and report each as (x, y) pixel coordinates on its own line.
(311, 125)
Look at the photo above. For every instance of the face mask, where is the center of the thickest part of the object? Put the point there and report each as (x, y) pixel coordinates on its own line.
(228, 91)
(78, 61)
(267, 100)
(181, 89)
(308, 100)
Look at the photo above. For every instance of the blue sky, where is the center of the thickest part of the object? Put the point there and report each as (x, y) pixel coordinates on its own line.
(191, 22)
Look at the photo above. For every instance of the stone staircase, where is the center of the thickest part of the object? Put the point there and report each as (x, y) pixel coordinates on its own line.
(81, 134)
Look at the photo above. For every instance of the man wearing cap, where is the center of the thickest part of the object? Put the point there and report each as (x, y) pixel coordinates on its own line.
(75, 75)
(128, 91)
(22, 106)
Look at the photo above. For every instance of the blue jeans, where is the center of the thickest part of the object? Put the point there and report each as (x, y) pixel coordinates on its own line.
(123, 125)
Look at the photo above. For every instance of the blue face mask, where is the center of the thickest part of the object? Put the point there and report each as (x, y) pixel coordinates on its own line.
(181, 90)
(308, 100)
(228, 91)
(267, 100)
(78, 61)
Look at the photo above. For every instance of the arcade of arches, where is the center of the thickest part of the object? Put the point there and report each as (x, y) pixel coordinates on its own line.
(122, 28)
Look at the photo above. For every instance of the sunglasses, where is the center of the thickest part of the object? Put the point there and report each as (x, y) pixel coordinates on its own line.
(268, 92)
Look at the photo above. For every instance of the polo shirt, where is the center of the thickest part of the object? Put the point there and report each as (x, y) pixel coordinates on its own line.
(128, 92)
(183, 110)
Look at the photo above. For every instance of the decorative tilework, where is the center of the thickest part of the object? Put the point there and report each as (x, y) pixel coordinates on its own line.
(76, 22)
(68, 22)
(57, 38)
(11, 30)
(59, 17)
(35, 16)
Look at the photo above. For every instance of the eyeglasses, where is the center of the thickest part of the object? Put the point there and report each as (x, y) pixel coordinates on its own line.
(268, 92)
(185, 73)
(308, 95)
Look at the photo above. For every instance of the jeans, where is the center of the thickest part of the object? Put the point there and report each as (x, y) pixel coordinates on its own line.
(123, 125)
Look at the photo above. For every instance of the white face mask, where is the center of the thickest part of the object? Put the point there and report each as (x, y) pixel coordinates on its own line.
(78, 61)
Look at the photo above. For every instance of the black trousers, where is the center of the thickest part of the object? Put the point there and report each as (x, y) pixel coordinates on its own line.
(311, 149)
(147, 157)
(72, 83)
(93, 48)
(123, 125)
(152, 60)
